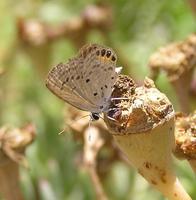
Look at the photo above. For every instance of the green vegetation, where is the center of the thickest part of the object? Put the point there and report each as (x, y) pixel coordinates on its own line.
(138, 28)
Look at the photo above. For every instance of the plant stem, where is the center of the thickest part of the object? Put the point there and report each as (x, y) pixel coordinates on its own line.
(9, 181)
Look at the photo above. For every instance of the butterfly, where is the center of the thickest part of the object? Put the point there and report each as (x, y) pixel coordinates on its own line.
(86, 81)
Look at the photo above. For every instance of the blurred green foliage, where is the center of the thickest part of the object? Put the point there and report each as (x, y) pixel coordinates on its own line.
(139, 28)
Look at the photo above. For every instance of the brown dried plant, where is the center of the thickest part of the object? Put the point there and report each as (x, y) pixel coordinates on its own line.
(14, 141)
(178, 60)
(185, 137)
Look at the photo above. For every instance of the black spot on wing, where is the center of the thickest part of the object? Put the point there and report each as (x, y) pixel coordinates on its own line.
(108, 53)
(113, 58)
(103, 51)
(87, 80)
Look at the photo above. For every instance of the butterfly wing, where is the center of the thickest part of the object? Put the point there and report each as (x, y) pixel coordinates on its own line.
(59, 82)
(95, 69)
(86, 81)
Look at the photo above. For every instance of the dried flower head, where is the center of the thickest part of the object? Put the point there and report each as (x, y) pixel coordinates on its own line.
(175, 59)
(185, 134)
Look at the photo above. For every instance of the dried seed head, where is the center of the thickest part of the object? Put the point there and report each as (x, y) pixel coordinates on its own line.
(146, 108)
(185, 136)
(175, 59)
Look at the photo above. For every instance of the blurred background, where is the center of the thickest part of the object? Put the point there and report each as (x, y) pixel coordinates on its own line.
(36, 35)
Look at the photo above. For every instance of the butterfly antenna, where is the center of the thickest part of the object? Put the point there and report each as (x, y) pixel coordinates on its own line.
(62, 131)
(89, 124)
(73, 121)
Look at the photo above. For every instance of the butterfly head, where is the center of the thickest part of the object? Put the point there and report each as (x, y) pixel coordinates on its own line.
(94, 116)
